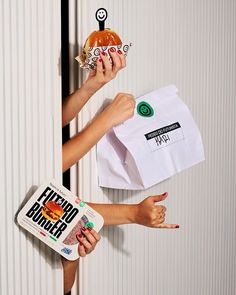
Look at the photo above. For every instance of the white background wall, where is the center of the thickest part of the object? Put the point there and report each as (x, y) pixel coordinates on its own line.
(191, 44)
(30, 130)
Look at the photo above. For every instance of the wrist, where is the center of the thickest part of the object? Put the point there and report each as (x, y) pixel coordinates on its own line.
(106, 120)
(68, 263)
(91, 86)
(133, 213)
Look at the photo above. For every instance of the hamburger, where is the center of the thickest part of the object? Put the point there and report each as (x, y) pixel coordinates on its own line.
(52, 211)
(103, 37)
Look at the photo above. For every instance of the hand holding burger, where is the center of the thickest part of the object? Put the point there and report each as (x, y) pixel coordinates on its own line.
(107, 63)
(105, 71)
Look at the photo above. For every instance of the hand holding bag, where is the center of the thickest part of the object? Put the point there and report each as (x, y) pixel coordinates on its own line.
(160, 140)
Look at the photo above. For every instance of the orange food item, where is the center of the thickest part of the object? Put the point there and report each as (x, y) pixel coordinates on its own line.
(103, 38)
(52, 211)
(106, 37)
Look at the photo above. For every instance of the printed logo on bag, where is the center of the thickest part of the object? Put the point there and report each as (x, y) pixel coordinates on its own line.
(144, 109)
(164, 136)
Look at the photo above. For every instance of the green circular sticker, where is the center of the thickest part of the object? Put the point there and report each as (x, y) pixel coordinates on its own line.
(144, 109)
(89, 223)
(81, 204)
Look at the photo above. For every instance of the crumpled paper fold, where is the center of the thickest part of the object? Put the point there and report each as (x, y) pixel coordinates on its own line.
(90, 60)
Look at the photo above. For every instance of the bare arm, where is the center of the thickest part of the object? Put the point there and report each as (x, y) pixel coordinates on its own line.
(144, 213)
(87, 243)
(104, 73)
(119, 110)
(74, 149)
(69, 270)
(74, 103)
(114, 214)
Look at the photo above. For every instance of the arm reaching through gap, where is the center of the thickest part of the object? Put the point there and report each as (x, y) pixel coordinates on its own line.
(121, 109)
(104, 73)
(86, 246)
(145, 213)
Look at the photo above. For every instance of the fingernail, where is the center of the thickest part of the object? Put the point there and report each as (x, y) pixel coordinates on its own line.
(164, 194)
(83, 228)
(112, 49)
(119, 51)
(100, 60)
(80, 236)
(177, 226)
(103, 53)
(89, 228)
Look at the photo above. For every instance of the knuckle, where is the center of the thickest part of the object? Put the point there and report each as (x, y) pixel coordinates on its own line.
(108, 78)
(118, 96)
(89, 247)
(131, 97)
(119, 66)
(152, 223)
(152, 218)
(132, 104)
(93, 244)
(161, 220)
(112, 75)
(101, 80)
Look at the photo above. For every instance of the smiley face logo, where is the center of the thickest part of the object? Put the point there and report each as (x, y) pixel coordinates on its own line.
(101, 14)
(144, 109)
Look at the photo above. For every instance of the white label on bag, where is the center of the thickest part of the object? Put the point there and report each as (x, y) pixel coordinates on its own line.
(164, 136)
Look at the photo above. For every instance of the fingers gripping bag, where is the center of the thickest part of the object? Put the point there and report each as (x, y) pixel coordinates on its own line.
(160, 140)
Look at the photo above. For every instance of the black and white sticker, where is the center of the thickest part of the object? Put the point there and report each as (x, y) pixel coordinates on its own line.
(164, 136)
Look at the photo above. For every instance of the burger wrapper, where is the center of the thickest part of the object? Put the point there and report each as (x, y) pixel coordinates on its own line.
(90, 60)
(55, 216)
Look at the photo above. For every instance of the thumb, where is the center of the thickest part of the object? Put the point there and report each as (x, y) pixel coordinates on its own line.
(159, 198)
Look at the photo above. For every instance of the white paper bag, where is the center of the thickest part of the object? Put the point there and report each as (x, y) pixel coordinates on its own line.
(160, 140)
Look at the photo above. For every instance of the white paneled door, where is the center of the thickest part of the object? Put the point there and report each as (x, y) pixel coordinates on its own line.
(191, 44)
(30, 129)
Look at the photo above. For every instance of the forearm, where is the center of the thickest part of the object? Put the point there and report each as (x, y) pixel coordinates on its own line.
(72, 104)
(74, 149)
(69, 270)
(114, 214)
